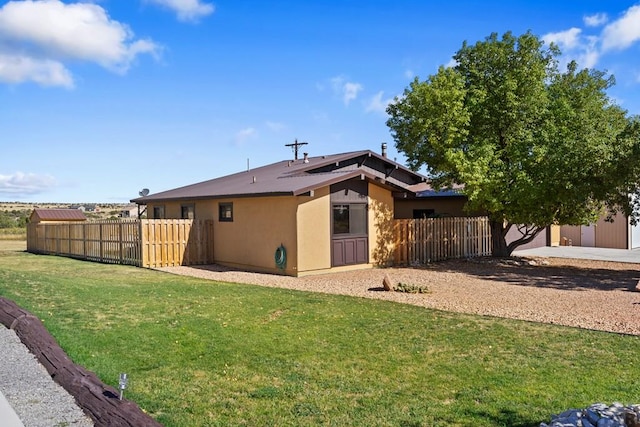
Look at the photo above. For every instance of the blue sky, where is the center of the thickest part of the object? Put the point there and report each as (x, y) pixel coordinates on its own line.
(101, 99)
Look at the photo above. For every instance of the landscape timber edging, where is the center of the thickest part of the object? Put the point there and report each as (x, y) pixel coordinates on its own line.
(98, 400)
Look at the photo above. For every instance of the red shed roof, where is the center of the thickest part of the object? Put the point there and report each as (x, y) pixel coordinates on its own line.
(58, 215)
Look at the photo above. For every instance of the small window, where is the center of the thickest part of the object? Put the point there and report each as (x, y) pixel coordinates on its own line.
(225, 212)
(187, 212)
(158, 212)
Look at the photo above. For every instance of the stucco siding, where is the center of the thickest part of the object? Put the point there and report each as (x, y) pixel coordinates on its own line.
(380, 226)
(259, 227)
(314, 232)
(539, 241)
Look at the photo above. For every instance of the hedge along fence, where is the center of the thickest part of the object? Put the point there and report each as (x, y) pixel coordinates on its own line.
(143, 243)
(420, 241)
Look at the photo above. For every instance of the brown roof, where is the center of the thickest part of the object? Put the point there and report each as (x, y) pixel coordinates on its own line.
(59, 215)
(296, 177)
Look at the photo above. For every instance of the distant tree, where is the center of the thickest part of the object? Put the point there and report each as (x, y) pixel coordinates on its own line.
(532, 146)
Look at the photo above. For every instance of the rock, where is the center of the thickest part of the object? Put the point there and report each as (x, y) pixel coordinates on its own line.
(638, 286)
(598, 415)
(386, 283)
(631, 418)
(592, 416)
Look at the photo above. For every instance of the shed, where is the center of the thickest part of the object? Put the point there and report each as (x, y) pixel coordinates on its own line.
(56, 215)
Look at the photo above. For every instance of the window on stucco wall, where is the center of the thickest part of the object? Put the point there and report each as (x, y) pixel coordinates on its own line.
(187, 211)
(158, 212)
(225, 212)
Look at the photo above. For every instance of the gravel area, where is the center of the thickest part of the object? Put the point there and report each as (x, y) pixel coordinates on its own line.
(589, 294)
(35, 397)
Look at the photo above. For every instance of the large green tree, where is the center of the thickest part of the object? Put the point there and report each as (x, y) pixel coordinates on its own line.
(532, 145)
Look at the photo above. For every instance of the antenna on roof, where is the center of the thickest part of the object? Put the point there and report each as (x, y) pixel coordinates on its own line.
(144, 192)
(295, 146)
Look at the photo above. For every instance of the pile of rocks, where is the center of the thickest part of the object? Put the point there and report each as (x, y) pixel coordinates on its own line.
(598, 415)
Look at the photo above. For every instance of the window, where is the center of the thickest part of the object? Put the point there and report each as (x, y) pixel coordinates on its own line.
(187, 212)
(423, 213)
(225, 212)
(158, 212)
(350, 219)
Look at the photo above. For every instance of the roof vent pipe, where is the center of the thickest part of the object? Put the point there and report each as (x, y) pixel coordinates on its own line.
(384, 149)
(306, 158)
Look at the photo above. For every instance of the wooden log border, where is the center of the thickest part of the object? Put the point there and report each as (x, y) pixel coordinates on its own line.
(98, 400)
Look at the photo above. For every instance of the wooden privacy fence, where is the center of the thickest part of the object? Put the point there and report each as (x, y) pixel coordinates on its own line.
(143, 243)
(171, 242)
(419, 241)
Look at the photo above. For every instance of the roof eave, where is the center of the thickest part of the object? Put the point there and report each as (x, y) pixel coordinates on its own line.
(146, 201)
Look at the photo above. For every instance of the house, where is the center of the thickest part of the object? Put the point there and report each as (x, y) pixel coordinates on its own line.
(302, 216)
(129, 211)
(40, 215)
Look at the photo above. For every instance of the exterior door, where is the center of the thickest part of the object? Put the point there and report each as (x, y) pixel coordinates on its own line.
(349, 241)
(588, 235)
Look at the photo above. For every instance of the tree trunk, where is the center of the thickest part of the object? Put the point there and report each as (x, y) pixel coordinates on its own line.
(499, 247)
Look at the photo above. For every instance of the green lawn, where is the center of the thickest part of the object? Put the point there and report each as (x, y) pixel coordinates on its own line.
(203, 353)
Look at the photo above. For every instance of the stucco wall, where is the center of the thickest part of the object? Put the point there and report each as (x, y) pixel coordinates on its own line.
(314, 232)
(380, 226)
(260, 225)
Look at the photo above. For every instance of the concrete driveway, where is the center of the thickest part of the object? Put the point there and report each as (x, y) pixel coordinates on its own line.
(603, 254)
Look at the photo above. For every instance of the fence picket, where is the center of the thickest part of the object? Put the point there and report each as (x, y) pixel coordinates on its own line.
(145, 243)
(420, 241)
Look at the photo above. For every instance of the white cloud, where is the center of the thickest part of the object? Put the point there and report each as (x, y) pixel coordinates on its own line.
(590, 54)
(42, 34)
(409, 74)
(20, 184)
(595, 20)
(275, 126)
(187, 10)
(351, 92)
(377, 104)
(242, 136)
(17, 69)
(347, 90)
(574, 45)
(568, 39)
(622, 33)
(452, 63)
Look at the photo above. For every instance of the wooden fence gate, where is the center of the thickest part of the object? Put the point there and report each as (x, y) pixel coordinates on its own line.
(420, 241)
(143, 243)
